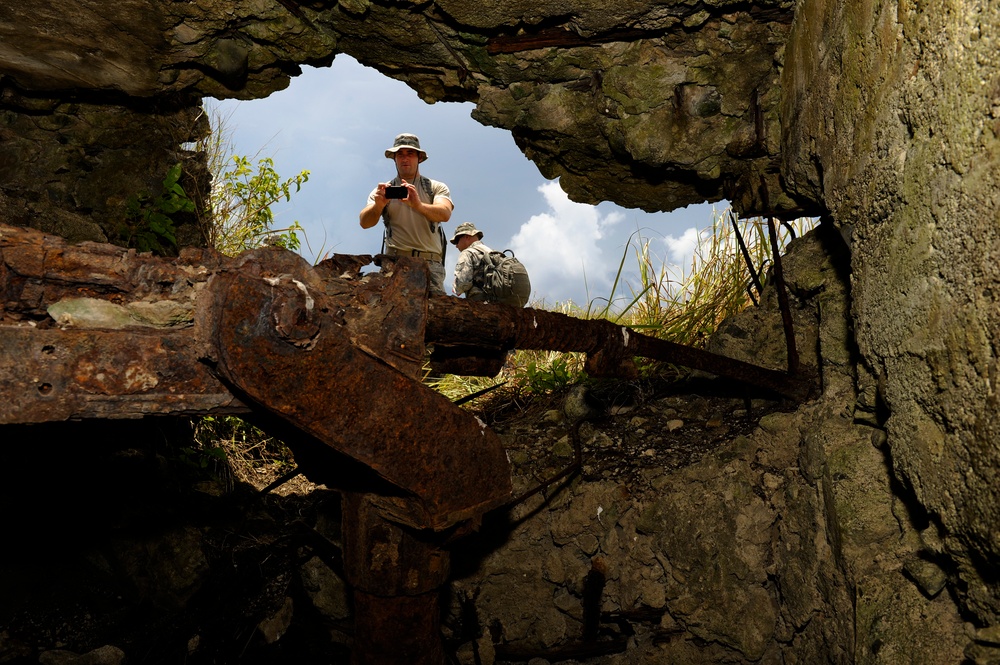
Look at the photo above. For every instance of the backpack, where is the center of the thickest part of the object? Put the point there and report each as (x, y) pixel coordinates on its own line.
(505, 279)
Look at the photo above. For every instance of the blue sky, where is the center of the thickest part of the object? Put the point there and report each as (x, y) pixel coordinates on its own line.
(337, 122)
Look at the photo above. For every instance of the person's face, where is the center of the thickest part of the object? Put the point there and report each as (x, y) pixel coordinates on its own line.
(407, 160)
(464, 242)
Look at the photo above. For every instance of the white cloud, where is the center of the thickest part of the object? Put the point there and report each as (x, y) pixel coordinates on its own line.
(561, 247)
(680, 251)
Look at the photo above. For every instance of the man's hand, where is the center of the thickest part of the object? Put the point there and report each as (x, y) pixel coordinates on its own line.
(412, 197)
(371, 213)
(380, 199)
(433, 212)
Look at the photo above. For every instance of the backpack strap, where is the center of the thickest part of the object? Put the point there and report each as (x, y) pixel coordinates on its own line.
(425, 184)
(482, 266)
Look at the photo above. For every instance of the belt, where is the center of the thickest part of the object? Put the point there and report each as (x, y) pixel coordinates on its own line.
(430, 256)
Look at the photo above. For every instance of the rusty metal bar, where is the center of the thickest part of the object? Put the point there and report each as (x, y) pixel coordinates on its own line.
(746, 256)
(779, 282)
(610, 347)
(55, 375)
(786, 314)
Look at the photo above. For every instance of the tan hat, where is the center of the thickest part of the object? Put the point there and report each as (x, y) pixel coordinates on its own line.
(466, 229)
(406, 141)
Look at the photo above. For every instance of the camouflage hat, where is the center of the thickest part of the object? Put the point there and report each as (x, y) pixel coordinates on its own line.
(466, 229)
(406, 141)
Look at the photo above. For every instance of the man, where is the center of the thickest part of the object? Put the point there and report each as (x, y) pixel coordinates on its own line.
(414, 212)
(468, 270)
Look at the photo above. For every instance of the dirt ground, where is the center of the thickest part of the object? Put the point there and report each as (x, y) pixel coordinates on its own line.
(630, 427)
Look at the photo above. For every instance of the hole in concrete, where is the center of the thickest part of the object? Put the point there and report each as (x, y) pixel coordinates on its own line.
(337, 121)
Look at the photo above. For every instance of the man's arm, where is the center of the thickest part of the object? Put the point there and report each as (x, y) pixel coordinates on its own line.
(439, 211)
(464, 269)
(371, 213)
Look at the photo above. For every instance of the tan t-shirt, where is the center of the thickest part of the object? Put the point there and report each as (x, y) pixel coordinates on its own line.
(408, 229)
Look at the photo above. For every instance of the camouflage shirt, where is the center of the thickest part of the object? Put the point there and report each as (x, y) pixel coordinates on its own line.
(469, 272)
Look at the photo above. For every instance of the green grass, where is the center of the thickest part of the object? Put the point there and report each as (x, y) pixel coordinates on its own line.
(687, 306)
(250, 455)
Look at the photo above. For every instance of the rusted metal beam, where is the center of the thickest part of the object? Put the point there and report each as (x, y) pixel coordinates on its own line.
(747, 261)
(55, 375)
(610, 348)
(96, 331)
(779, 283)
(283, 348)
(786, 312)
(396, 574)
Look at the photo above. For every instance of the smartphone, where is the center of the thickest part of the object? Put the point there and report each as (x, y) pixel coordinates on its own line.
(398, 192)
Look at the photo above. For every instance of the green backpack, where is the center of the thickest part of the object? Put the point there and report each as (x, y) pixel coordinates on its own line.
(505, 279)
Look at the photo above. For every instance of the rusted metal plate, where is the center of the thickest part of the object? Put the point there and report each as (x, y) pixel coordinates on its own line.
(52, 375)
(282, 345)
(397, 630)
(39, 269)
(388, 314)
(386, 559)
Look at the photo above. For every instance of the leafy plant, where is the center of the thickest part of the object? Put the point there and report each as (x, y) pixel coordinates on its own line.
(252, 456)
(241, 201)
(149, 223)
(244, 190)
(554, 375)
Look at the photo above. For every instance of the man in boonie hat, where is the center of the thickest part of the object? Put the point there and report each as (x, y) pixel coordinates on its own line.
(469, 270)
(413, 207)
(406, 141)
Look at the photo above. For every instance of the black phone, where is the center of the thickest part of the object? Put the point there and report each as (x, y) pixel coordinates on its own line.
(397, 192)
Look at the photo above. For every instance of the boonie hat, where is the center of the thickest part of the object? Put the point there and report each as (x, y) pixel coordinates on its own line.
(406, 141)
(466, 229)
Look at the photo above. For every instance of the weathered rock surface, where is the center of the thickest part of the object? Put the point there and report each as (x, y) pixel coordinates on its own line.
(655, 107)
(71, 168)
(894, 123)
(768, 535)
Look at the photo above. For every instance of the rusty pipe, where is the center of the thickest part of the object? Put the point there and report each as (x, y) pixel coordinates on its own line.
(610, 347)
